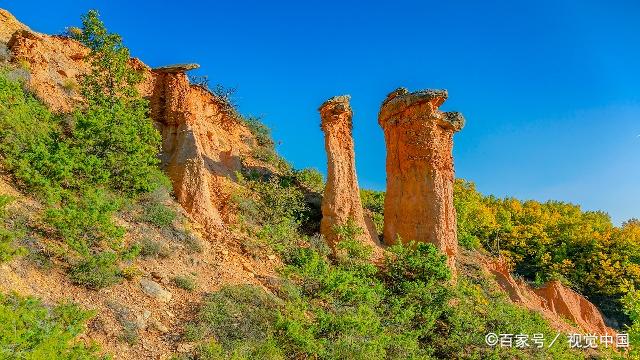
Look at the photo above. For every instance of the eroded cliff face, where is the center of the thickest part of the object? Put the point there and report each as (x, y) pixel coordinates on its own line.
(554, 301)
(419, 201)
(202, 143)
(341, 201)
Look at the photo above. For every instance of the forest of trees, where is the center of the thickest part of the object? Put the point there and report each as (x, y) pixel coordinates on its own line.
(549, 241)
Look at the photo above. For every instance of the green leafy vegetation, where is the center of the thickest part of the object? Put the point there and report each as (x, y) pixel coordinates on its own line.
(373, 201)
(8, 234)
(159, 215)
(185, 282)
(153, 248)
(97, 271)
(310, 179)
(84, 166)
(555, 241)
(341, 306)
(29, 330)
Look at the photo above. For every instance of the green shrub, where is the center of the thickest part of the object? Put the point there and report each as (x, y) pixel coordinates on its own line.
(115, 127)
(481, 309)
(241, 318)
(274, 201)
(86, 222)
(184, 236)
(29, 330)
(152, 248)
(311, 179)
(8, 235)
(185, 282)
(374, 202)
(97, 271)
(260, 131)
(159, 215)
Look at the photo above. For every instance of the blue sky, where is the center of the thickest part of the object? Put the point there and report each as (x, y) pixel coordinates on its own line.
(550, 89)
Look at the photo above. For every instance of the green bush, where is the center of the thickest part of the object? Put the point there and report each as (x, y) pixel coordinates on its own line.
(85, 222)
(152, 248)
(115, 127)
(185, 282)
(97, 271)
(260, 131)
(310, 179)
(374, 202)
(159, 215)
(8, 235)
(29, 330)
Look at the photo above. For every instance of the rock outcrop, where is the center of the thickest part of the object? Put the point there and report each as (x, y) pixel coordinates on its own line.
(573, 306)
(554, 301)
(341, 201)
(202, 142)
(176, 68)
(9, 25)
(201, 145)
(419, 200)
(54, 63)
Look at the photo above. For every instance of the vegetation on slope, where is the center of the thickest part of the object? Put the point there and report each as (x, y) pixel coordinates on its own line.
(549, 241)
(343, 307)
(86, 165)
(29, 330)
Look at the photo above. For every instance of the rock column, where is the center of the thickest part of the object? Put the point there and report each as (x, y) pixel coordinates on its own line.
(341, 200)
(174, 107)
(419, 200)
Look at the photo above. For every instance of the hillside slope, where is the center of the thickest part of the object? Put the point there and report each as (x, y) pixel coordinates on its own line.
(206, 149)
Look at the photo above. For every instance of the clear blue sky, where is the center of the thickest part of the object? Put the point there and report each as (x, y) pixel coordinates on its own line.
(550, 89)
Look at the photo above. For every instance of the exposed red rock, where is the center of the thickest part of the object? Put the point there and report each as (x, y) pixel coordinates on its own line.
(55, 64)
(201, 146)
(554, 301)
(419, 201)
(341, 201)
(573, 306)
(9, 26)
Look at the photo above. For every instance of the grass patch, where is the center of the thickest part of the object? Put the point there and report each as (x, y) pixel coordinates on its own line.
(8, 234)
(97, 271)
(153, 248)
(185, 282)
(159, 215)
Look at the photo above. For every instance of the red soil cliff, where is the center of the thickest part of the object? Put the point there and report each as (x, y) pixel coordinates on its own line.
(554, 301)
(419, 201)
(201, 144)
(341, 201)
